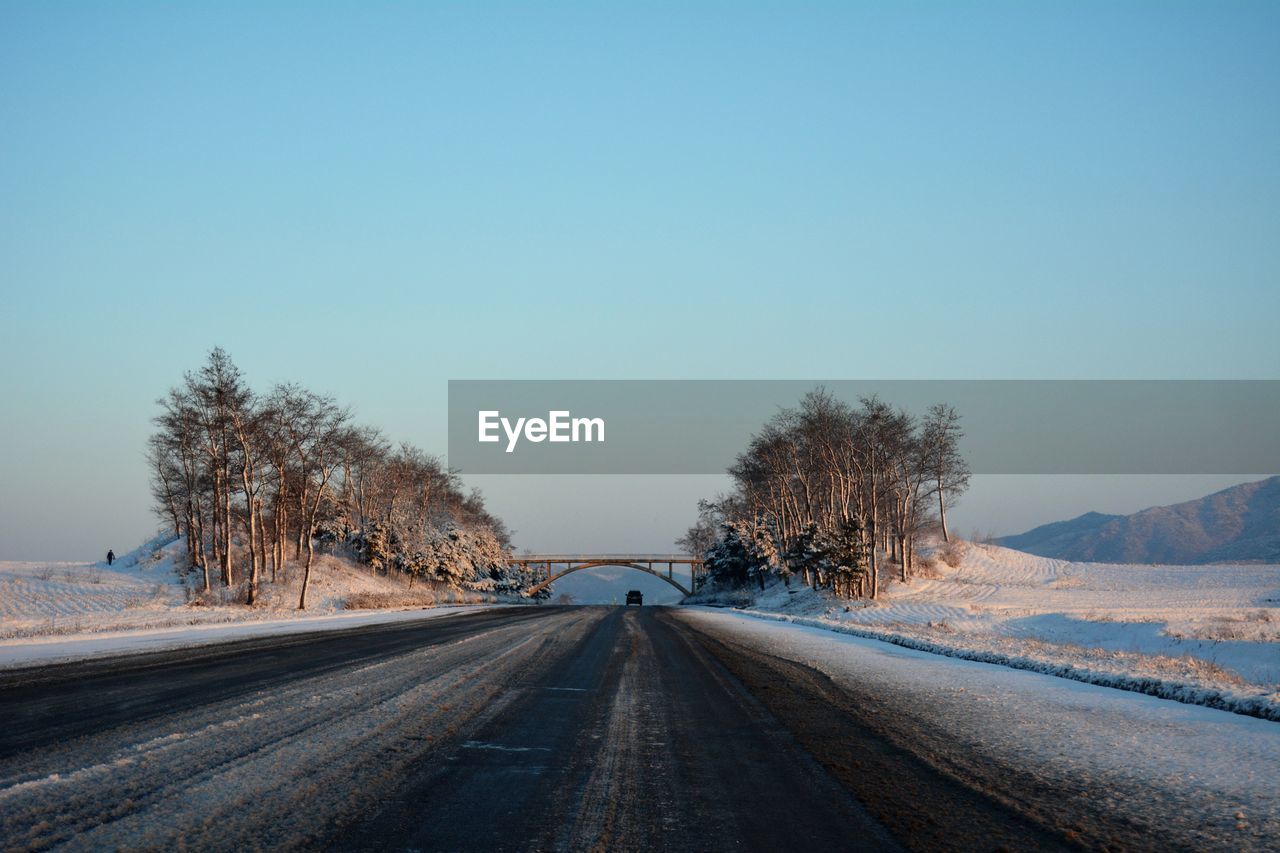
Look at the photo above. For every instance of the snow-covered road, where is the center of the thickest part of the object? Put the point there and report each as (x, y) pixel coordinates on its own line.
(621, 728)
(527, 728)
(43, 651)
(237, 764)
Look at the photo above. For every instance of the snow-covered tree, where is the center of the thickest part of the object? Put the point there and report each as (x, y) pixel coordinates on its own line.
(802, 555)
(940, 457)
(241, 476)
(830, 469)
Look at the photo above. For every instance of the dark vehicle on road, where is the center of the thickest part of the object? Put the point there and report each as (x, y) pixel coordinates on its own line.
(634, 597)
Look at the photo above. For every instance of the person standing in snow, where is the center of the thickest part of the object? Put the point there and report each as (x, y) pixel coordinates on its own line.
(111, 557)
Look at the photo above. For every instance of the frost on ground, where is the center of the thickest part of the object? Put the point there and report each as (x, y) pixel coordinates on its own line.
(226, 775)
(1206, 635)
(90, 608)
(1167, 769)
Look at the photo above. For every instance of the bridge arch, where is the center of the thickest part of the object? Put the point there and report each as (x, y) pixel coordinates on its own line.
(553, 567)
(577, 568)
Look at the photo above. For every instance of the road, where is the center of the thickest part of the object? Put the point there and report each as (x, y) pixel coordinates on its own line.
(550, 728)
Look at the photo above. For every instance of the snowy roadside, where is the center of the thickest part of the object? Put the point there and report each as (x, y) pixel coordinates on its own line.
(1203, 635)
(38, 651)
(52, 612)
(1174, 769)
(1063, 662)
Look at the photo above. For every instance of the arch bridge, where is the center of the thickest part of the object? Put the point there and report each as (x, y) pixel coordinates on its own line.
(551, 567)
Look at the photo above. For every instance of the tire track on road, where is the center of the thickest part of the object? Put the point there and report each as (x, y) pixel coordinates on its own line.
(287, 764)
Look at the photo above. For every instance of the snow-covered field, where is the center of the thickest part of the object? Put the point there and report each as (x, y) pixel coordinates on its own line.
(1203, 634)
(54, 611)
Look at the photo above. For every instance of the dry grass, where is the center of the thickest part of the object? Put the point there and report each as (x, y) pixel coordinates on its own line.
(1138, 664)
(951, 553)
(1067, 582)
(221, 596)
(1185, 668)
(156, 596)
(386, 600)
(715, 595)
(1255, 626)
(926, 568)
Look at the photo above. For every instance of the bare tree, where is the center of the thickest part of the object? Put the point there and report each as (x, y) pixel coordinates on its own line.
(322, 452)
(941, 459)
(233, 470)
(281, 425)
(215, 391)
(833, 488)
(363, 464)
(166, 480)
(702, 535)
(247, 420)
(179, 441)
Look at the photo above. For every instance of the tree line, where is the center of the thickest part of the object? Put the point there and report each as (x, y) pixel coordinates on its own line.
(833, 493)
(250, 480)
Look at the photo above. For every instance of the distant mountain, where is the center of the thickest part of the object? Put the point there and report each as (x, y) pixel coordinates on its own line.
(1239, 524)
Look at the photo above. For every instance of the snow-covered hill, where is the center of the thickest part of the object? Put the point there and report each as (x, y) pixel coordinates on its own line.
(1211, 628)
(144, 590)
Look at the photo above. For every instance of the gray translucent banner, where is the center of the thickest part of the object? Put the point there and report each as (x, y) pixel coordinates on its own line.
(1011, 426)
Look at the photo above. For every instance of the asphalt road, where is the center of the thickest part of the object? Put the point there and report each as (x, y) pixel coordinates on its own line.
(48, 704)
(541, 729)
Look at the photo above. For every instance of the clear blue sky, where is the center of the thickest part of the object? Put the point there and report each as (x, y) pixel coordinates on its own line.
(372, 198)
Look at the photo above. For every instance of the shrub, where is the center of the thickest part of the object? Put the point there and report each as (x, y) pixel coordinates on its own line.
(926, 568)
(384, 600)
(952, 553)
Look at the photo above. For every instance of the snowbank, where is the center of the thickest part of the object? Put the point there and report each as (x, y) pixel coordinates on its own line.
(1205, 635)
(1180, 775)
(1263, 705)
